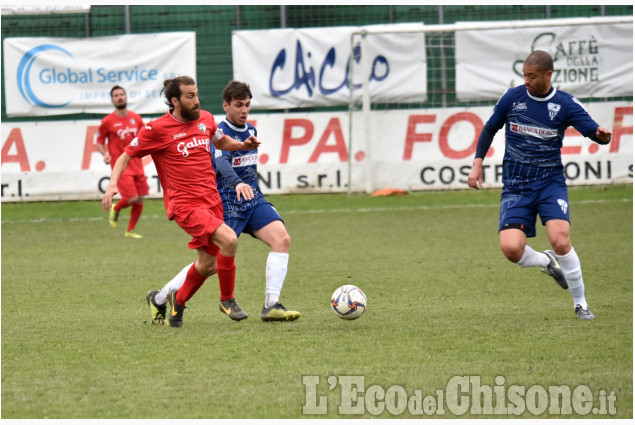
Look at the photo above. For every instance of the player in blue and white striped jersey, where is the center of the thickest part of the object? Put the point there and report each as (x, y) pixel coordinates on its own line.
(245, 208)
(535, 117)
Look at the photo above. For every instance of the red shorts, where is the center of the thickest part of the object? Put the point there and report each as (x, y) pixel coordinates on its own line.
(130, 186)
(200, 222)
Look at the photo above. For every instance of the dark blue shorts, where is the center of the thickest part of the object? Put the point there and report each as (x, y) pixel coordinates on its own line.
(252, 219)
(519, 209)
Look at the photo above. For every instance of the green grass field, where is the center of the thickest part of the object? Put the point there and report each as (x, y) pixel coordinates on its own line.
(77, 341)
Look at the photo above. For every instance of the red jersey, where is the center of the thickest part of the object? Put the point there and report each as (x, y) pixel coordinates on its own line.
(181, 154)
(119, 132)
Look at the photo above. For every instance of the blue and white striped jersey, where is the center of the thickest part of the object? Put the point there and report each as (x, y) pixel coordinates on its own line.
(237, 166)
(534, 130)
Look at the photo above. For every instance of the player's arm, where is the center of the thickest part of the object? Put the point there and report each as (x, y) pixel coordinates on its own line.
(117, 171)
(101, 142)
(224, 169)
(224, 142)
(582, 121)
(491, 127)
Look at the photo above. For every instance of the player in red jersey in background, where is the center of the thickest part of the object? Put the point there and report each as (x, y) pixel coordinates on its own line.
(119, 128)
(179, 143)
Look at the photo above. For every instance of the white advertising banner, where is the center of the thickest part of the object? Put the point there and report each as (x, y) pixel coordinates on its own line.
(589, 60)
(293, 68)
(308, 153)
(57, 76)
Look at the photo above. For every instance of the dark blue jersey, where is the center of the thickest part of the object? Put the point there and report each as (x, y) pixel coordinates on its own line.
(534, 129)
(236, 167)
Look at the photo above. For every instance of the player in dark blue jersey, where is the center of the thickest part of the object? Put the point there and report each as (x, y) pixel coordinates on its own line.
(535, 117)
(247, 211)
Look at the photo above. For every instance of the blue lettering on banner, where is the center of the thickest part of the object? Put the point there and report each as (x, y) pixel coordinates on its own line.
(67, 75)
(306, 78)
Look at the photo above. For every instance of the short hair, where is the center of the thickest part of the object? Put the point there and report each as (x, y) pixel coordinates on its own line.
(172, 88)
(116, 88)
(236, 90)
(540, 58)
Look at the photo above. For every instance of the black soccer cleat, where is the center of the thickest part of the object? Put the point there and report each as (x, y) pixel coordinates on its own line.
(231, 308)
(176, 310)
(157, 312)
(554, 270)
(582, 313)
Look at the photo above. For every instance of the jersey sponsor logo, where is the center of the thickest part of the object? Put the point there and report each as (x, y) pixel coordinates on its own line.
(176, 136)
(563, 205)
(125, 131)
(245, 160)
(553, 108)
(519, 106)
(184, 148)
(530, 130)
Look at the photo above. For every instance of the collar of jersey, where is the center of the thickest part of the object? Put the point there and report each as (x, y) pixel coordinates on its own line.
(233, 127)
(543, 99)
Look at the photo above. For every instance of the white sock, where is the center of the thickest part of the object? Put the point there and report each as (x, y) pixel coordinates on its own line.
(572, 271)
(532, 258)
(176, 282)
(275, 273)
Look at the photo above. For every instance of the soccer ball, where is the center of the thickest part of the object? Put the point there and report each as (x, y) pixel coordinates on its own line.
(348, 302)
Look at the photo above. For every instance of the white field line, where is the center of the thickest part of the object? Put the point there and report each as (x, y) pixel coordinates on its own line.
(316, 211)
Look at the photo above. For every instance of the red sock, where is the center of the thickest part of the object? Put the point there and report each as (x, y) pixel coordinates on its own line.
(123, 203)
(193, 281)
(226, 276)
(135, 213)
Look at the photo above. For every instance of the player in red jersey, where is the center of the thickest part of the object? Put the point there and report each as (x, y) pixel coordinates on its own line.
(119, 128)
(179, 143)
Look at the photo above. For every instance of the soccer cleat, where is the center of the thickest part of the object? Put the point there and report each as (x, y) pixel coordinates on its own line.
(113, 217)
(156, 311)
(582, 313)
(231, 308)
(277, 313)
(554, 270)
(176, 310)
(133, 235)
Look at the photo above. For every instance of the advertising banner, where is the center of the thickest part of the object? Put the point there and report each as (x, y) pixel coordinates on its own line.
(293, 68)
(57, 76)
(425, 149)
(589, 60)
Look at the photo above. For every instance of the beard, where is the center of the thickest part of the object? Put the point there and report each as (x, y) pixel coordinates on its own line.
(121, 106)
(191, 114)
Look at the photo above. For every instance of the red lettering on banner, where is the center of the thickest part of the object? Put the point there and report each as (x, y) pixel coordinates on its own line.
(571, 150)
(413, 137)
(15, 139)
(333, 127)
(444, 144)
(618, 127)
(89, 145)
(288, 141)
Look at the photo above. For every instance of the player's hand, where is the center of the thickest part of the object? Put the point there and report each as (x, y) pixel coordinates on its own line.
(244, 190)
(475, 178)
(107, 158)
(603, 134)
(106, 202)
(251, 143)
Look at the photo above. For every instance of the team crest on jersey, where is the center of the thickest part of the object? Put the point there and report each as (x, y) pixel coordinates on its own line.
(135, 142)
(563, 204)
(132, 121)
(553, 108)
(251, 131)
(202, 127)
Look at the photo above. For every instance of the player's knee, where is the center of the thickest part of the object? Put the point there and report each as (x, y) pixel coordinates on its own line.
(283, 243)
(561, 246)
(513, 252)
